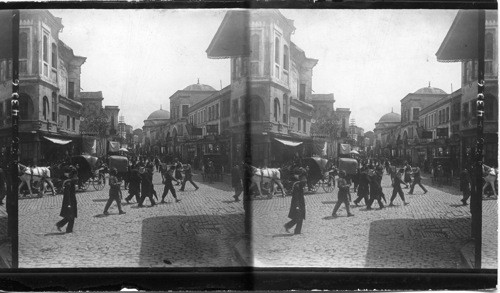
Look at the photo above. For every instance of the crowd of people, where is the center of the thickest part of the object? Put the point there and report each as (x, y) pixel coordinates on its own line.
(138, 182)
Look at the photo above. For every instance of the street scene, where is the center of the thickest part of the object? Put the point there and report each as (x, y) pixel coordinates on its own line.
(265, 138)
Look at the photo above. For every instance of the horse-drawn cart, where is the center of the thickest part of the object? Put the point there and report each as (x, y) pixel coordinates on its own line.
(320, 174)
(88, 172)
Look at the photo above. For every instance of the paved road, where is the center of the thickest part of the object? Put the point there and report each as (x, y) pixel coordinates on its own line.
(200, 231)
(428, 233)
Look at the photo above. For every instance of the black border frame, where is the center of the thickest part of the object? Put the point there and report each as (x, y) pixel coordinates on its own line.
(247, 278)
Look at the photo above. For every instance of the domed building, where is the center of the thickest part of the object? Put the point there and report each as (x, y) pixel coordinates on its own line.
(387, 121)
(157, 117)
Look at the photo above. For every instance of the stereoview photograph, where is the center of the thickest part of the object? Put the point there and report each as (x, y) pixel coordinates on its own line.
(265, 138)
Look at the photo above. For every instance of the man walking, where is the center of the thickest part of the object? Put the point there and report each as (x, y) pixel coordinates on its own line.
(465, 185)
(363, 187)
(168, 178)
(343, 195)
(114, 192)
(297, 212)
(396, 184)
(134, 185)
(236, 181)
(417, 179)
(188, 176)
(375, 188)
(146, 187)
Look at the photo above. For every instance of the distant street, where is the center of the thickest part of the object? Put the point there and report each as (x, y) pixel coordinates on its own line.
(200, 231)
(428, 233)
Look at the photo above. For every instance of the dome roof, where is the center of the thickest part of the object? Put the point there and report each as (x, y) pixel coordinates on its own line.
(159, 114)
(430, 91)
(390, 118)
(199, 88)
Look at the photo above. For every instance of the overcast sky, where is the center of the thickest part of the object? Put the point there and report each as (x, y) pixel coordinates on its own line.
(369, 59)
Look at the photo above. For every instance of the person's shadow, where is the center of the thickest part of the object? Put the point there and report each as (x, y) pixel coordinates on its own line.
(54, 233)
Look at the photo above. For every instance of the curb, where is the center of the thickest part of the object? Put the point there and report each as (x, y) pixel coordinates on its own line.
(467, 255)
(5, 255)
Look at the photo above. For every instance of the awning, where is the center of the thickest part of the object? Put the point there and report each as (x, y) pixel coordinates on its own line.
(289, 143)
(58, 140)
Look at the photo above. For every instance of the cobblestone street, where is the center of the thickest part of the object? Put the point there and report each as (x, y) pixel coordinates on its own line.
(428, 233)
(199, 231)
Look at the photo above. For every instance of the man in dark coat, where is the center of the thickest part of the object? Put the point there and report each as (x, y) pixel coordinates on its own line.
(69, 209)
(396, 184)
(236, 182)
(375, 189)
(363, 187)
(417, 179)
(168, 178)
(134, 185)
(297, 212)
(188, 176)
(146, 187)
(465, 185)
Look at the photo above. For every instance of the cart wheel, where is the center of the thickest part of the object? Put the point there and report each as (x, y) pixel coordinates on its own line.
(328, 185)
(85, 185)
(98, 183)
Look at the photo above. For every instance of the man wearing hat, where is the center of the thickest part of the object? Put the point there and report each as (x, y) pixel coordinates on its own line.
(69, 210)
(188, 176)
(146, 187)
(343, 195)
(114, 192)
(297, 212)
(134, 185)
(168, 178)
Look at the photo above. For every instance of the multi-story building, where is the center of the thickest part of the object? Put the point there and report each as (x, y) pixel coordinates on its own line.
(274, 77)
(452, 49)
(49, 93)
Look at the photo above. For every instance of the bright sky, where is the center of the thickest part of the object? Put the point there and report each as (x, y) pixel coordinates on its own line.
(369, 59)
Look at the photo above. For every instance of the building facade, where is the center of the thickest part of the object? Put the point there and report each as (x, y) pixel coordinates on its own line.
(49, 93)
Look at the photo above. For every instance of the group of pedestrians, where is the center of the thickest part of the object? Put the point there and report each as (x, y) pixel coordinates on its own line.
(368, 187)
(140, 186)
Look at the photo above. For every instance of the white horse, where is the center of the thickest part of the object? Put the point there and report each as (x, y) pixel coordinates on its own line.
(35, 174)
(490, 176)
(266, 175)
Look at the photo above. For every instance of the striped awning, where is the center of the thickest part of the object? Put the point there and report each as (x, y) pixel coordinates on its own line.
(288, 142)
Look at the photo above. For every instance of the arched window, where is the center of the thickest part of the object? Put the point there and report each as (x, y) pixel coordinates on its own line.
(54, 106)
(285, 57)
(23, 45)
(45, 49)
(276, 109)
(285, 108)
(488, 54)
(45, 108)
(277, 50)
(54, 55)
(255, 47)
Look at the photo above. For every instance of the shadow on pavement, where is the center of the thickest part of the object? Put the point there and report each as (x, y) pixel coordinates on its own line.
(200, 240)
(283, 235)
(54, 234)
(229, 201)
(416, 243)
(328, 202)
(100, 200)
(457, 205)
